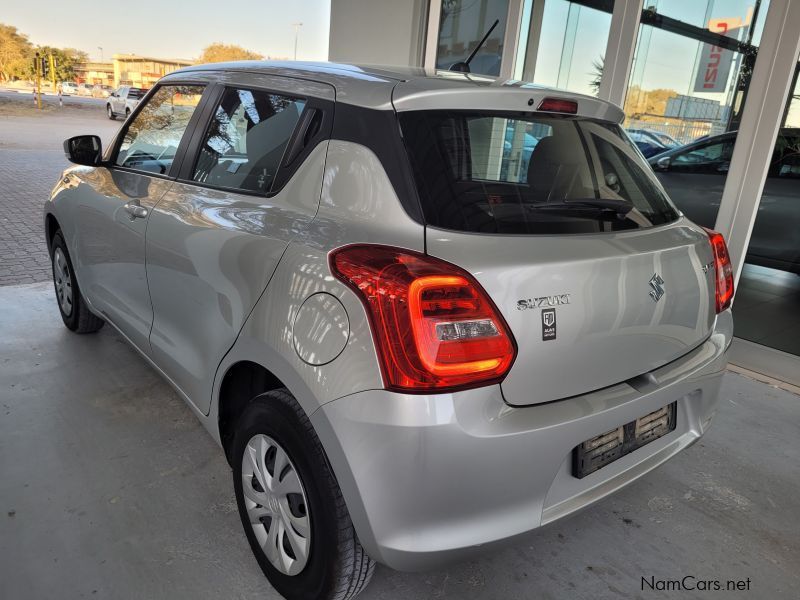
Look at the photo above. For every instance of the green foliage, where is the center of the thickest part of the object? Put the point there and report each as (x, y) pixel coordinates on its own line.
(597, 74)
(65, 60)
(218, 52)
(15, 53)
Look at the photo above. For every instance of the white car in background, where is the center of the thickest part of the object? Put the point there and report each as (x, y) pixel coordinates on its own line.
(122, 101)
(68, 88)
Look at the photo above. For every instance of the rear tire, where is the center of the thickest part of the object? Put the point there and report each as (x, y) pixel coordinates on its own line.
(335, 566)
(71, 305)
(110, 112)
(127, 112)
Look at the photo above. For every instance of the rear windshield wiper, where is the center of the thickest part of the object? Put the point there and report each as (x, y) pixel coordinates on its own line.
(621, 208)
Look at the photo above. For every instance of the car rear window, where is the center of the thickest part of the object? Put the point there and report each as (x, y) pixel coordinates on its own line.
(526, 173)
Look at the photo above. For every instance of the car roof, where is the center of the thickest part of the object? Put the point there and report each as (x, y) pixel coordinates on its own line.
(415, 88)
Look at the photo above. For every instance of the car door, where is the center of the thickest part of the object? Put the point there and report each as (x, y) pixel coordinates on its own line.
(119, 97)
(216, 237)
(116, 200)
(695, 178)
(775, 241)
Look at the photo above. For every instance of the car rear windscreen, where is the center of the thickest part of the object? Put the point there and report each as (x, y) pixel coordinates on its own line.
(526, 173)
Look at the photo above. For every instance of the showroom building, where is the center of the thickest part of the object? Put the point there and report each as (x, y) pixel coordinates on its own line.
(709, 88)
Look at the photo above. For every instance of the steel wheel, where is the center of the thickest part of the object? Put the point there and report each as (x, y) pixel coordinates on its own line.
(63, 281)
(276, 504)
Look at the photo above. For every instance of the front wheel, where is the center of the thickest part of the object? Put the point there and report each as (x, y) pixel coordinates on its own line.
(110, 112)
(71, 305)
(291, 506)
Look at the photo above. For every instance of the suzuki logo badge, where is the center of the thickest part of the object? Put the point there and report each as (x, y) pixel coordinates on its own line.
(656, 287)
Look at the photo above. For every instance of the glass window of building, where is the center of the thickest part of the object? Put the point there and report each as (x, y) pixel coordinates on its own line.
(767, 302)
(565, 43)
(690, 80)
(688, 86)
(462, 25)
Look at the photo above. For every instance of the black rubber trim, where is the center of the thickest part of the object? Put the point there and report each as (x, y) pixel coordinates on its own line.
(379, 131)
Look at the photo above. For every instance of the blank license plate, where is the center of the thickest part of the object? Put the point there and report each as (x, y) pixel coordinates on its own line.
(604, 449)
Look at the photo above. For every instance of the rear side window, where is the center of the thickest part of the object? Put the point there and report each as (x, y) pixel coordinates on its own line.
(246, 140)
(524, 173)
(136, 93)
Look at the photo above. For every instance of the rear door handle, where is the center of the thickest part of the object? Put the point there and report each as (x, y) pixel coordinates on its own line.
(135, 211)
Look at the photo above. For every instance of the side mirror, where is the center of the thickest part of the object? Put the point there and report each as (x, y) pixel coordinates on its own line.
(662, 164)
(84, 150)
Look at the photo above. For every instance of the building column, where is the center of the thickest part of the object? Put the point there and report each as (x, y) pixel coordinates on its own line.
(618, 59)
(397, 39)
(761, 120)
(511, 39)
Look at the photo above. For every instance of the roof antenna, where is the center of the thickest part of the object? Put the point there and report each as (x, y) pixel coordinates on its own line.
(463, 67)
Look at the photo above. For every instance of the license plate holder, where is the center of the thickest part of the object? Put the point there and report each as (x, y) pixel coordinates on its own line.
(602, 450)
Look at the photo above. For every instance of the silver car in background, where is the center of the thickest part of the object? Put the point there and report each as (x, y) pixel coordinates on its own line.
(420, 312)
(122, 101)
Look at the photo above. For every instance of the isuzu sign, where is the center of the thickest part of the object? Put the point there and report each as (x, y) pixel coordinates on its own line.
(714, 66)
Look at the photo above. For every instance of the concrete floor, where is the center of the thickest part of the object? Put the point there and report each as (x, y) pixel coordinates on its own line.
(109, 488)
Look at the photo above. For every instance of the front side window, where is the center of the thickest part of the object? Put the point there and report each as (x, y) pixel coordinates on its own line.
(710, 158)
(152, 138)
(246, 140)
(529, 174)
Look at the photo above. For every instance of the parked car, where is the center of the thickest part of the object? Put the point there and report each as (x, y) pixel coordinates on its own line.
(122, 101)
(68, 88)
(655, 137)
(85, 89)
(102, 91)
(694, 176)
(648, 145)
(403, 355)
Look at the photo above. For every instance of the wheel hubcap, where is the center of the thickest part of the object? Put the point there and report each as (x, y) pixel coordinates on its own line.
(276, 504)
(63, 281)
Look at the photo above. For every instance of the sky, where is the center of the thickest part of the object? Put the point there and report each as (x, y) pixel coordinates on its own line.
(173, 29)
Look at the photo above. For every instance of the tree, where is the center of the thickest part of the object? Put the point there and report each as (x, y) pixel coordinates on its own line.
(647, 103)
(65, 59)
(597, 74)
(15, 53)
(219, 52)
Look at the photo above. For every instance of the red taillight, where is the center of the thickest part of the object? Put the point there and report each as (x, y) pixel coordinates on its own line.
(559, 106)
(724, 270)
(434, 327)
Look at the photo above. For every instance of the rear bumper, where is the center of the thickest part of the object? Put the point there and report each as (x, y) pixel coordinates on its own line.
(427, 479)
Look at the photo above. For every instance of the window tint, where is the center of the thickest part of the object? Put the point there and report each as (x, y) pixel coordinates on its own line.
(786, 158)
(708, 158)
(529, 174)
(152, 138)
(501, 148)
(246, 140)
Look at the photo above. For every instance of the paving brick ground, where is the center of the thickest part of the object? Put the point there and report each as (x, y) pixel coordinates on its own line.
(26, 177)
(31, 161)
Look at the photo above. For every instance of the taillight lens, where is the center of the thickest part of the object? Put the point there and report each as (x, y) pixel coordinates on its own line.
(433, 325)
(724, 270)
(557, 105)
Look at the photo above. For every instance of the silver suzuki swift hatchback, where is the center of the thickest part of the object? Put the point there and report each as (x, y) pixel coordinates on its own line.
(420, 312)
